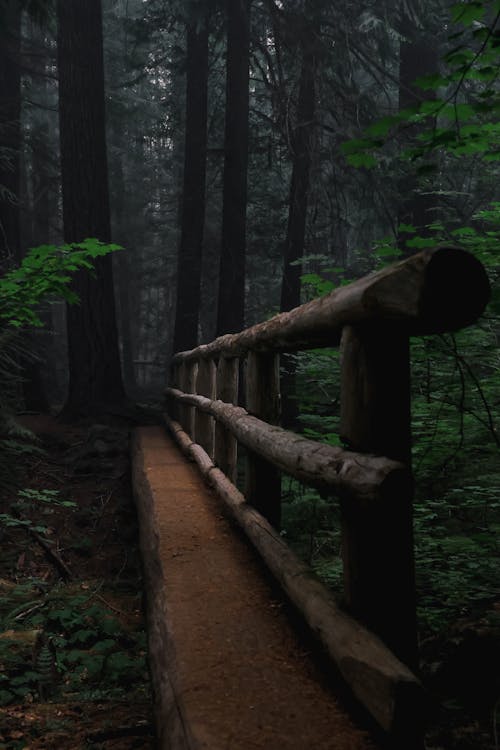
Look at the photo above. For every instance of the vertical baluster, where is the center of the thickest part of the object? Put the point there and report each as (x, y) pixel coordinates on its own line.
(262, 480)
(205, 386)
(172, 405)
(378, 542)
(226, 446)
(187, 379)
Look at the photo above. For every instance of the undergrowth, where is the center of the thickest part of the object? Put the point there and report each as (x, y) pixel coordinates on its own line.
(63, 641)
(455, 410)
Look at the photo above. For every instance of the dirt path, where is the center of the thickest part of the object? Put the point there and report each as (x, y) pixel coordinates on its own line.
(240, 674)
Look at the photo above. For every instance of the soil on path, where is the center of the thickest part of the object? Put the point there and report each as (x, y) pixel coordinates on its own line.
(244, 679)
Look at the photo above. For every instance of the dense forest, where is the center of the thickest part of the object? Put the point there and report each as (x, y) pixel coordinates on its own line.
(175, 170)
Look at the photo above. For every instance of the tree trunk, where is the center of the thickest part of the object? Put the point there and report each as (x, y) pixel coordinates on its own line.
(10, 131)
(122, 271)
(302, 144)
(231, 302)
(37, 211)
(95, 379)
(418, 56)
(193, 199)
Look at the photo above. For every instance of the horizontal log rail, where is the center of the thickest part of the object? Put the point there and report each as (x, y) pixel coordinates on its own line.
(438, 290)
(435, 291)
(359, 476)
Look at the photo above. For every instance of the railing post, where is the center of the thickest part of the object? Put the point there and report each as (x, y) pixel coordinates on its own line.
(379, 574)
(262, 480)
(226, 446)
(186, 382)
(205, 386)
(173, 408)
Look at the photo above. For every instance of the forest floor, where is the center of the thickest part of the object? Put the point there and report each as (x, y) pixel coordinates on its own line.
(73, 670)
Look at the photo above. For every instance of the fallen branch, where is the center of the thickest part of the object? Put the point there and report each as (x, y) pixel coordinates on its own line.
(52, 555)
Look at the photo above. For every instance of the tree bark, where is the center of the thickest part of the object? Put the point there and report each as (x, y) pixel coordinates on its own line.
(95, 379)
(231, 301)
(10, 132)
(302, 144)
(193, 197)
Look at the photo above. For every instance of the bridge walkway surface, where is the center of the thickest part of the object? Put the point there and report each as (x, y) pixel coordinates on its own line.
(228, 668)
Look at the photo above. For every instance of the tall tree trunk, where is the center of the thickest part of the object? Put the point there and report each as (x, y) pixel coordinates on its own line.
(10, 131)
(95, 380)
(302, 146)
(122, 270)
(231, 300)
(37, 207)
(418, 56)
(193, 197)
(39, 341)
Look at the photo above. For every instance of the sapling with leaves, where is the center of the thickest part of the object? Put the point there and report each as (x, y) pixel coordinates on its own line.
(44, 274)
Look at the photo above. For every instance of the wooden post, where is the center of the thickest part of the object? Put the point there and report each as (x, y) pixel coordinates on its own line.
(187, 379)
(226, 446)
(375, 417)
(262, 480)
(173, 408)
(204, 423)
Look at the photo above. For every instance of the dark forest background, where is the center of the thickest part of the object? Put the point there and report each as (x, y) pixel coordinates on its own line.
(249, 156)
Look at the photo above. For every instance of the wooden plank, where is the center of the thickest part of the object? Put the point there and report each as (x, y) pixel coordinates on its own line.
(382, 683)
(437, 290)
(379, 574)
(169, 714)
(262, 479)
(204, 423)
(226, 445)
(363, 478)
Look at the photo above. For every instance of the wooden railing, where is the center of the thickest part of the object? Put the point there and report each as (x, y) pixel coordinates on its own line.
(435, 291)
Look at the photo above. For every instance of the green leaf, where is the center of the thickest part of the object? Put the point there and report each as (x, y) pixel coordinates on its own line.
(431, 82)
(362, 160)
(467, 13)
(421, 242)
(382, 126)
(355, 145)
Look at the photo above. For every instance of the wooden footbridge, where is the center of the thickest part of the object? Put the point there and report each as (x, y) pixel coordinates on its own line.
(227, 668)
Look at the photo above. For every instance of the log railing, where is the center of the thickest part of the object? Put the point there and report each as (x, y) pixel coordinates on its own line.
(436, 291)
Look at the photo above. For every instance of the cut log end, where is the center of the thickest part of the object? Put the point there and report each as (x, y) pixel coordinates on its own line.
(455, 293)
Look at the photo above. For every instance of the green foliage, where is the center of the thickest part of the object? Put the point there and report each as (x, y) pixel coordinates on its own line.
(95, 656)
(455, 417)
(45, 272)
(445, 122)
(32, 503)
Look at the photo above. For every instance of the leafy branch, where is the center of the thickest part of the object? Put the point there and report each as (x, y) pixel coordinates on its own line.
(475, 129)
(46, 272)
